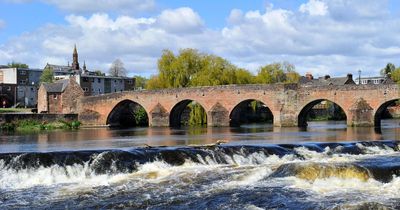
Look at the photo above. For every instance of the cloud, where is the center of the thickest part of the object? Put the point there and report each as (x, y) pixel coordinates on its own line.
(330, 44)
(314, 8)
(181, 20)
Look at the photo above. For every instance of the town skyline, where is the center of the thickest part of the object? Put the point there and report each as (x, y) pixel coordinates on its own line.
(321, 37)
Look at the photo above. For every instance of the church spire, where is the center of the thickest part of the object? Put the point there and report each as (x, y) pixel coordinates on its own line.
(84, 65)
(75, 63)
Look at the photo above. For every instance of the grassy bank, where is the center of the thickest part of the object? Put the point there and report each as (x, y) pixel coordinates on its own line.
(14, 110)
(34, 125)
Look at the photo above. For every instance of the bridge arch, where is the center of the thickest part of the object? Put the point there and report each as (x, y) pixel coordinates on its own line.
(250, 110)
(302, 116)
(180, 109)
(128, 113)
(380, 111)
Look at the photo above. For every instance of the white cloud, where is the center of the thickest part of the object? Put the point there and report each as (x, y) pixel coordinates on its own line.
(330, 44)
(181, 20)
(314, 8)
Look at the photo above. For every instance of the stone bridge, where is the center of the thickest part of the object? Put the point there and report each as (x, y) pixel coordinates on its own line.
(289, 103)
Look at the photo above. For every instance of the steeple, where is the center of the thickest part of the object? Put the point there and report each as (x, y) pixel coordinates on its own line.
(75, 63)
(84, 65)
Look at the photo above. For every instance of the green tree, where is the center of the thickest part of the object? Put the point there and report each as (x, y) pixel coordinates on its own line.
(277, 73)
(197, 115)
(389, 68)
(18, 65)
(140, 82)
(99, 73)
(395, 75)
(47, 76)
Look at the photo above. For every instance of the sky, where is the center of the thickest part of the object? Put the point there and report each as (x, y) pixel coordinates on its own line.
(321, 37)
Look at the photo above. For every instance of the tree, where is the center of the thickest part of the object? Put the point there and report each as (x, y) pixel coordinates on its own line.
(17, 65)
(389, 68)
(277, 73)
(99, 73)
(395, 75)
(47, 76)
(140, 82)
(117, 69)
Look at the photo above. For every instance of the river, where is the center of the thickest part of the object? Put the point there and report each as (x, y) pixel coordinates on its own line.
(325, 166)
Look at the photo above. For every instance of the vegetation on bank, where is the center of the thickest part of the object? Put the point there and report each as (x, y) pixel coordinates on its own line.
(34, 125)
(13, 110)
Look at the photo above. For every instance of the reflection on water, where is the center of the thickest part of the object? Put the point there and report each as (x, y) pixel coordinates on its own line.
(101, 138)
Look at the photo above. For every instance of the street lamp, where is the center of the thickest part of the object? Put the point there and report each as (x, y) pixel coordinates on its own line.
(359, 76)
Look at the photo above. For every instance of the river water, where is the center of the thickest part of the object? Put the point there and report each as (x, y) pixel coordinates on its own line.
(326, 166)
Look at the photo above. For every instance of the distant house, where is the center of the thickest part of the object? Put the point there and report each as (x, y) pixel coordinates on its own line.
(374, 80)
(19, 86)
(91, 82)
(59, 97)
(309, 80)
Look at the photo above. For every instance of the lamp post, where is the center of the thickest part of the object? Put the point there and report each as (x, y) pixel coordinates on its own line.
(359, 76)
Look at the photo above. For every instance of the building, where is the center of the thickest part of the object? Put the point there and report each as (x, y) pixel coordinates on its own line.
(374, 80)
(309, 80)
(18, 86)
(59, 97)
(92, 83)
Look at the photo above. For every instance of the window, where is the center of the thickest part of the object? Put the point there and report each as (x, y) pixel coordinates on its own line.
(55, 96)
(31, 88)
(92, 79)
(23, 72)
(120, 81)
(85, 79)
(130, 82)
(85, 89)
(99, 90)
(9, 88)
(22, 82)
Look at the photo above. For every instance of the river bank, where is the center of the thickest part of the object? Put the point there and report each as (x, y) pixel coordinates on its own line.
(35, 122)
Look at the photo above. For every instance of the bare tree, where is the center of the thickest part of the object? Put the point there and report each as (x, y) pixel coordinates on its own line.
(117, 69)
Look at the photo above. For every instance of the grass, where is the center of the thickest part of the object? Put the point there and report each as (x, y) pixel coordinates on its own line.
(13, 110)
(34, 125)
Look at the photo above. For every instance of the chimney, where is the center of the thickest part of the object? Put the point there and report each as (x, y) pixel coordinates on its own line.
(309, 76)
(350, 76)
(326, 77)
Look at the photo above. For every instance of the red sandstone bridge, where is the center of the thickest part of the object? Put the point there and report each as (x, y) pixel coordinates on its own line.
(289, 104)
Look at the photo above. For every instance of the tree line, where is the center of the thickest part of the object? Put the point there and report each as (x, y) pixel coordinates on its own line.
(191, 68)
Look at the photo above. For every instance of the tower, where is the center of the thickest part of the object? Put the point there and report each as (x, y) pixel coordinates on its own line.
(75, 63)
(84, 67)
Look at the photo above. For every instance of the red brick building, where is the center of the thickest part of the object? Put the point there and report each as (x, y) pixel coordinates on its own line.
(59, 97)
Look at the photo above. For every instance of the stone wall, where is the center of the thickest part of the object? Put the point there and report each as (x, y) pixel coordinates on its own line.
(70, 97)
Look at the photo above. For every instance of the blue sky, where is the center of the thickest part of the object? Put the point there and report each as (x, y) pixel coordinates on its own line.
(319, 36)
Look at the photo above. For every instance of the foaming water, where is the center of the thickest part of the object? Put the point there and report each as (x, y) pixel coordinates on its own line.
(325, 175)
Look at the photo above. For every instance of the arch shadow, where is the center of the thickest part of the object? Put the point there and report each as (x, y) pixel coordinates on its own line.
(244, 113)
(302, 117)
(379, 114)
(127, 114)
(181, 109)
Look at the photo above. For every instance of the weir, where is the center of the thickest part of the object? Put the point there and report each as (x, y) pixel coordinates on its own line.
(363, 105)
